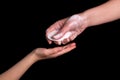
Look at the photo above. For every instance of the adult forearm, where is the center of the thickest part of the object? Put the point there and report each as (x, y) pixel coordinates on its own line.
(104, 13)
(15, 72)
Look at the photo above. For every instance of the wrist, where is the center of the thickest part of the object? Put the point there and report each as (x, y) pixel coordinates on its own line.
(34, 57)
(84, 19)
(81, 19)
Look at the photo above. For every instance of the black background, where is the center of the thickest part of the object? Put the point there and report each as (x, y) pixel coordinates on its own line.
(23, 26)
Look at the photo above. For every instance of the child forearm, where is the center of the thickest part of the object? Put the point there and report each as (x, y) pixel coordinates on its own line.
(15, 72)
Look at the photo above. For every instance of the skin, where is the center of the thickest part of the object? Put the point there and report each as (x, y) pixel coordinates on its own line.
(91, 17)
(17, 70)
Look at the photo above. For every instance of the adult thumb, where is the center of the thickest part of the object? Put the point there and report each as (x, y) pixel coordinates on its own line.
(60, 33)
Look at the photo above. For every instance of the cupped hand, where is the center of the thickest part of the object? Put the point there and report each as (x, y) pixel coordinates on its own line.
(44, 53)
(74, 24)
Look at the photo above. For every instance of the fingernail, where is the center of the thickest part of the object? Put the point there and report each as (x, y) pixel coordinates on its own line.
(73, 44)
(59, 42)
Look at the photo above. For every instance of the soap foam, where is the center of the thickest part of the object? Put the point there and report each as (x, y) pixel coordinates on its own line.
(50, 35)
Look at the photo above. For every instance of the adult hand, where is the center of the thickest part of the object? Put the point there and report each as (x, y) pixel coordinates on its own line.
(75, 24)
